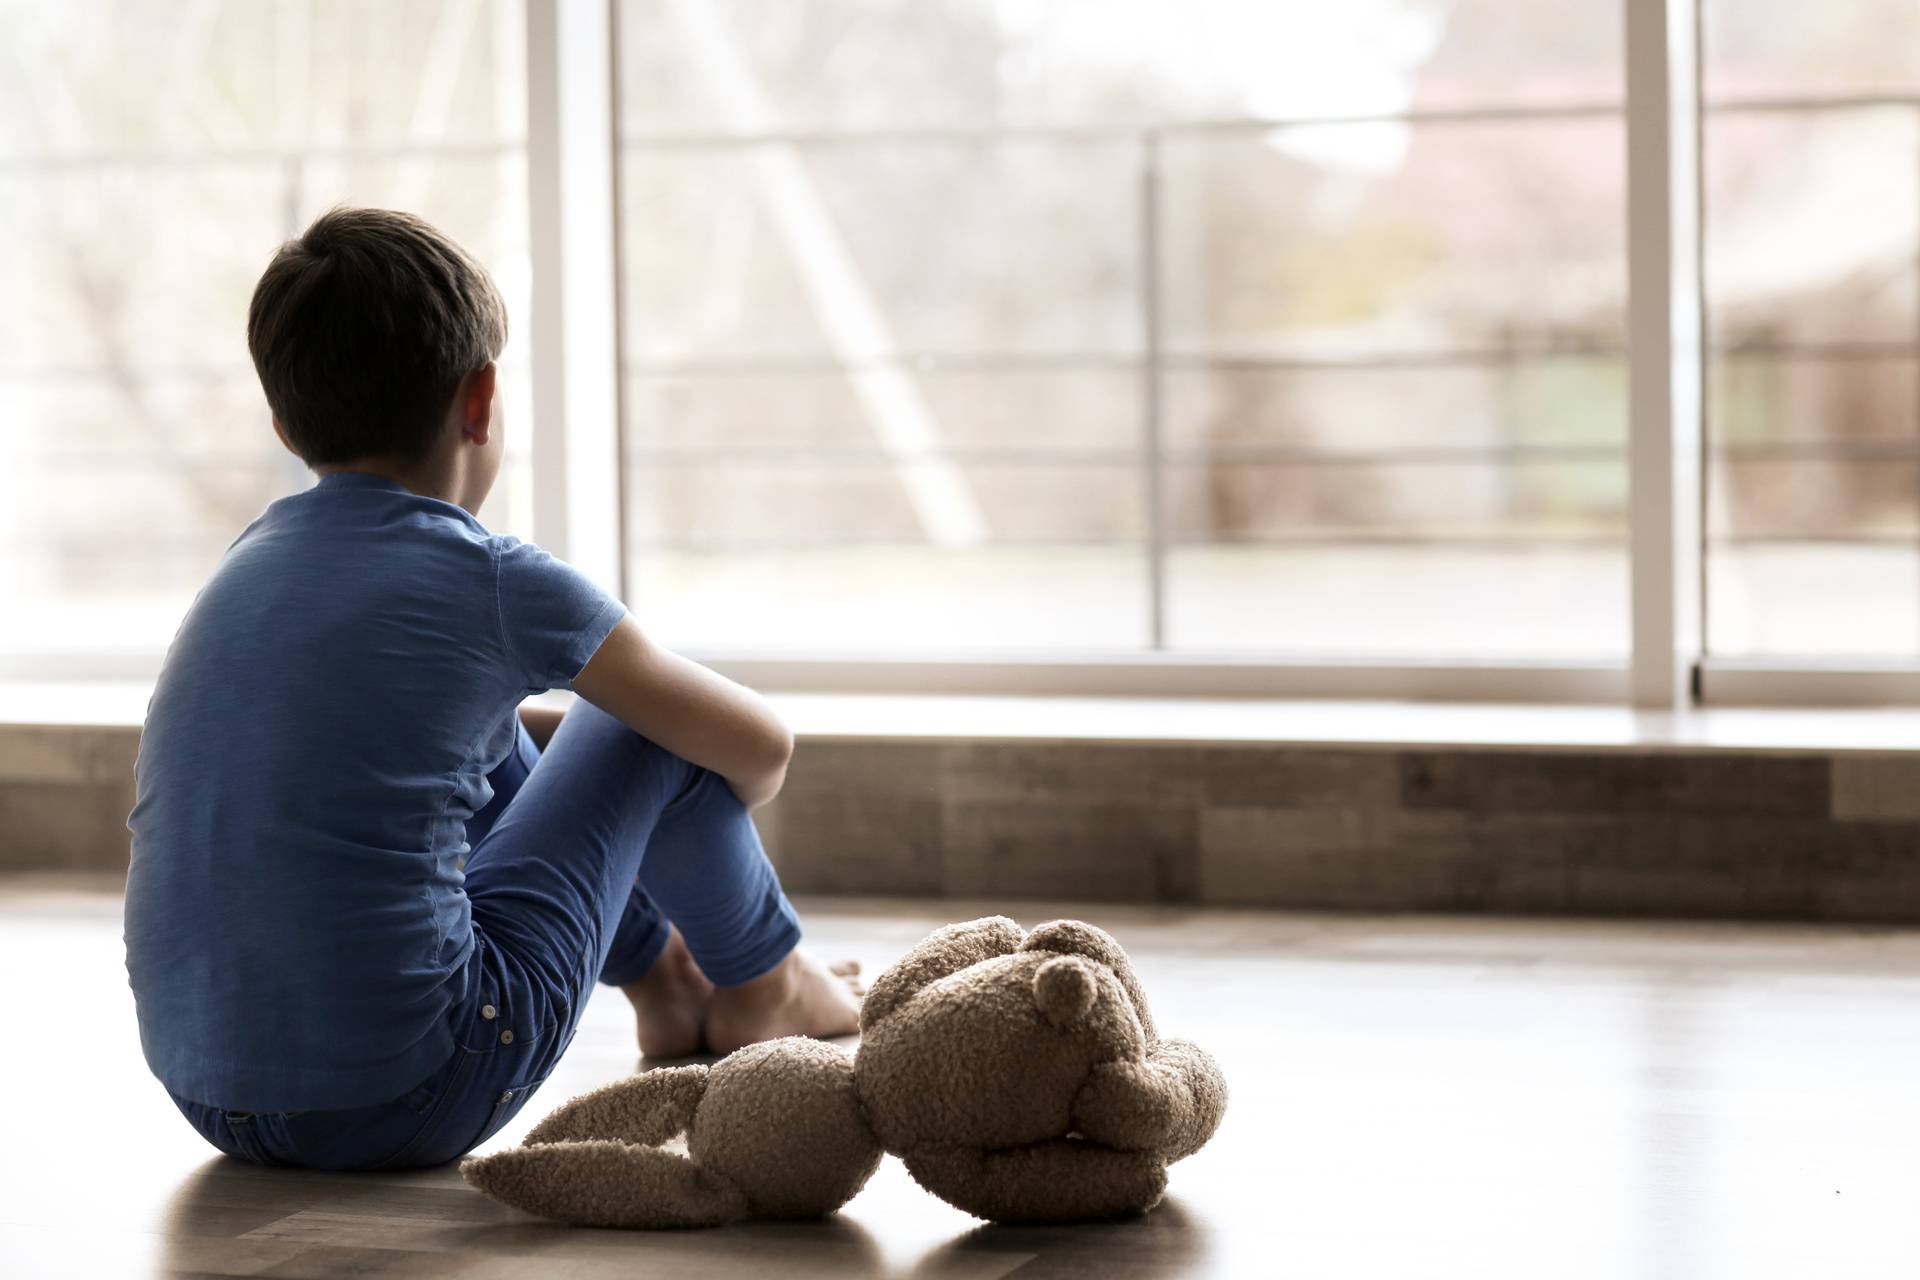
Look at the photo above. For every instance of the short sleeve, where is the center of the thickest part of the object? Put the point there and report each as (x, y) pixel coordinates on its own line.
(553, 618)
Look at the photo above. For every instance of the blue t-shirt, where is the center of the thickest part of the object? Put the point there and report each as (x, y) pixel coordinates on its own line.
(321, 731)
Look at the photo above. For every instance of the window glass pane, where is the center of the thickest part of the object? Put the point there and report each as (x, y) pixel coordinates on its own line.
(1440, 292)
(1386, 602)
(910, 289)
(1494, 401)
(1763, 48)
(1384, 239)
(1351, 558)
(828, 65)
(1809, 220)
(149, 165)
(832, 555)
(929, 246)
(1812, 225)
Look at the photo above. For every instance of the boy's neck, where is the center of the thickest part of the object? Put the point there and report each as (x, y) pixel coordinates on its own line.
(432, 477)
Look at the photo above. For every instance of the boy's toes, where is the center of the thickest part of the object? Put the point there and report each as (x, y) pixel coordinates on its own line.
(844, 968)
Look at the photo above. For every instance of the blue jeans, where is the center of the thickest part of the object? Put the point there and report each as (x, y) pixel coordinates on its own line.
(577, 864)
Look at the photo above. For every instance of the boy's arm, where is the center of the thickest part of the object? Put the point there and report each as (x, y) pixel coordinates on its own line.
(697, 714)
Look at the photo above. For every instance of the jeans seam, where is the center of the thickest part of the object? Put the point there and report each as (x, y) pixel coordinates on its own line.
(456, 1080)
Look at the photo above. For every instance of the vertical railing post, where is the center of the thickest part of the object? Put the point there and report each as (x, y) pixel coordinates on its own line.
(1152, 454)
(576, 454)
(1664, 347)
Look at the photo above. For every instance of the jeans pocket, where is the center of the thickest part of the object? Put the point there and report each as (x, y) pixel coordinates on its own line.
(445, 1106)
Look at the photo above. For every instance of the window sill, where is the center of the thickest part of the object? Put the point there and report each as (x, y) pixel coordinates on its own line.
(1302, 722)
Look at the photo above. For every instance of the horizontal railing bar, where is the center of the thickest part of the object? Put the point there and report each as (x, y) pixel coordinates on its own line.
(1114, 134)
(1908, 539)
(1471, 357)
(213, 157)
(1844, 450)
(1111, 134)
(927, 362)
(1516, 113)
(91, 547)
(989, 363)
(1199, 454)
(1882, 349)
(150, 549)
(1088, 361)
(1794, 103)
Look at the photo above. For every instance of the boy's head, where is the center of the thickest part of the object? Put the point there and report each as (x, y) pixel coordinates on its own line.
(364, 329)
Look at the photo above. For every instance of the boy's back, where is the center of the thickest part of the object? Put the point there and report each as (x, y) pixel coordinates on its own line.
(321, 733)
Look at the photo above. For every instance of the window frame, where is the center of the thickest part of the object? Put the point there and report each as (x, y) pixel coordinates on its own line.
(1660, 57)
(573, 146)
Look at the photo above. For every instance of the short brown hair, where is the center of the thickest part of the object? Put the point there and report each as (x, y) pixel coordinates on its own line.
(361, 330)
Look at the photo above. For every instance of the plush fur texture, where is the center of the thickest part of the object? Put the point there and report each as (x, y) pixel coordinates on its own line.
(1019, 1077)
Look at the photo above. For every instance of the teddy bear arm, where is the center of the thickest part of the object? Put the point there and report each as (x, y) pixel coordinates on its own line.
(1169, 1103)
(648, 1109)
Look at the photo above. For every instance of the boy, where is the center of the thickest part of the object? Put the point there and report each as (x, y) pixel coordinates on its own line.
(368, 897)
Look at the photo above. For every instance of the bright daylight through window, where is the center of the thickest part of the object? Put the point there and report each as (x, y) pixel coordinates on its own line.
(1009, 324)
(1811, 148)
(1280, 332)
(149, 165)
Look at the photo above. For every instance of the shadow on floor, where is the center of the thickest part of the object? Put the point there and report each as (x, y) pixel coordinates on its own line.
(1168, 1241)
(232, 1218)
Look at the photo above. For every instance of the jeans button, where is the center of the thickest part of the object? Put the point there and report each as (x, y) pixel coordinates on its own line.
(488, 1012)
(507, 1096)
(506, 1037)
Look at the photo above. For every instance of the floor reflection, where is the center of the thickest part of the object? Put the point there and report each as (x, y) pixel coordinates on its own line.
(1168, 1241)
(234, 1218)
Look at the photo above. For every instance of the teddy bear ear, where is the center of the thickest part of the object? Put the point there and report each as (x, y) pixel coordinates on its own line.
(1078, 938)
(1064, 990)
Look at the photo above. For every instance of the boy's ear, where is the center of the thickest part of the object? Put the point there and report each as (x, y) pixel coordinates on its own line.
(473, 403)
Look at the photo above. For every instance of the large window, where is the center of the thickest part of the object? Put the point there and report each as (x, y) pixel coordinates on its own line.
(1219, 344)
(1016, 325)
(1812, 161)
(151, 157)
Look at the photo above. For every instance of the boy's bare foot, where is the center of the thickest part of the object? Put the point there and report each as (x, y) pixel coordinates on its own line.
(800, 996)
(670, 1002)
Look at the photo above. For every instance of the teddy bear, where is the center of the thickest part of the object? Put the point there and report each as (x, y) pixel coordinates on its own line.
(1020, 1077)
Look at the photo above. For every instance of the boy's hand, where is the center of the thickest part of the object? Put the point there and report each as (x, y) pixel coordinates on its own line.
(697, 714)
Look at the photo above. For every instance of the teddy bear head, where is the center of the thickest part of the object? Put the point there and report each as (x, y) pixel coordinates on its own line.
(984, 1036)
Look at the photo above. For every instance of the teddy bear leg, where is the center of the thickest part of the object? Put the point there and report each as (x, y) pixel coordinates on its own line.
(607, 1183)
(649, 1109)
(1061, 1180)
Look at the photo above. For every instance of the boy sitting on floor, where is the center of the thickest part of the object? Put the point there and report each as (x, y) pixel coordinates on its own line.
(369, 895)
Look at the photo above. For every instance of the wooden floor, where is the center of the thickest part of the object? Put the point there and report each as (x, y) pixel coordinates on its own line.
(1411, 1097)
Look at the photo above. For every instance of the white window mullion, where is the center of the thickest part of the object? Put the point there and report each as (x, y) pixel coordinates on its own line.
(1664, 346)
(576, 450)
